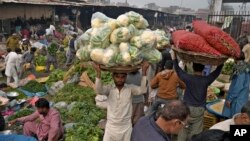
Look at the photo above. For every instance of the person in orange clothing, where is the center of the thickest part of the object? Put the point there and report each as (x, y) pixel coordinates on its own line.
(167, 82)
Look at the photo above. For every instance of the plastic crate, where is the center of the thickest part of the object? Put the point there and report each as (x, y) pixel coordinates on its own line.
(209, 120)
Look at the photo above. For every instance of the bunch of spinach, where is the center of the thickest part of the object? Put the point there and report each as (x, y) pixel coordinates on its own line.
(73, 92)
(40, 60)
(21, 113)
(86, 115)
(55, 76)
(34, 87)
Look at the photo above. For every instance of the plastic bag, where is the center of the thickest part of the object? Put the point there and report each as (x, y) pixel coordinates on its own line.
(153, 56)
(124, 47)
(109, 56)
(137, 20)
(161, 39)
(135, 55)
(84, 38)
(100, 37)
(123, 59)
(123, 20)
(83, 54)
(121, 34)
(136, 41)
(98, 20)
(112, 23)
(97, 55)
(148, 39)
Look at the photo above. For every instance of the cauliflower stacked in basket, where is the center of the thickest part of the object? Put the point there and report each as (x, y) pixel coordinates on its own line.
(124, 41)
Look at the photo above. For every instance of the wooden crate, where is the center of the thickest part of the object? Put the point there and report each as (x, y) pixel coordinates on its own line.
(209, 120)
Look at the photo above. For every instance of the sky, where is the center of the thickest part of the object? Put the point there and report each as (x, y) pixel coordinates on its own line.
(194, 4)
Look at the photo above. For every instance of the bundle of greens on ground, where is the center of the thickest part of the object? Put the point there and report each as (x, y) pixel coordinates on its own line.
(34, 87)
(21, 113)
(55, 76)
(86, 116)
(72, 92)
(40, 60)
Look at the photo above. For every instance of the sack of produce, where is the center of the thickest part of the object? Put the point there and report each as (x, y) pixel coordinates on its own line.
(97, 55)
(84, 38)
(83, 53)
(189, 41)
(161, 39)
(112, 23)
(148, 39)
(136, 41)
(100, 37)
(217, 38)
(153, 56)
(98, 20)
(109, 56)
(136, 56)
(122, 34)
(123, 20)
(123, 59)
(137, 20)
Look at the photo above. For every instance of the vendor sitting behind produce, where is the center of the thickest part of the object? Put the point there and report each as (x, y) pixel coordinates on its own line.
(45, 123)
(119, 124)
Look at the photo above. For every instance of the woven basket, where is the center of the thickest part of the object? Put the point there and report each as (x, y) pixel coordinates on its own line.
(87, 80)
(121, 69)
(200, 58)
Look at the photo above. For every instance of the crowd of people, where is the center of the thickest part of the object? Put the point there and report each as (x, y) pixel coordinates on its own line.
(161, 87)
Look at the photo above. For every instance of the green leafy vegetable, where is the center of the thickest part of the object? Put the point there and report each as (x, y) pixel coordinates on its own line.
(34, 87)
(40, 60)
(52, 49)
(73, 92)
(55, 76)
(21, 113)
(106, 76)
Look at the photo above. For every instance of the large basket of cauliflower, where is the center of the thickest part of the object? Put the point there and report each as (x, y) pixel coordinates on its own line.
(121, 44)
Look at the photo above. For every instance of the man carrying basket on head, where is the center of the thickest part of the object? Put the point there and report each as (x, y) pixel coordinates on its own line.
(195, 96)
(119, 124)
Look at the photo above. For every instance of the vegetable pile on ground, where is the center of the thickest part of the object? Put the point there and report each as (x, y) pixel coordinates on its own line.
(124, 41)
(55, 76)
(75, 93)
(87, 116)
(21, 113)
(206, 39)
(34, 87)
(81, 111)
(40, 60)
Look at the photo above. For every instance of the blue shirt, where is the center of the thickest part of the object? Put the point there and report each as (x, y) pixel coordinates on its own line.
(147, 130)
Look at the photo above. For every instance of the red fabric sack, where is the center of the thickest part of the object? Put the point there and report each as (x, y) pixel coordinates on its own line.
(192, 42)
(217, 38)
